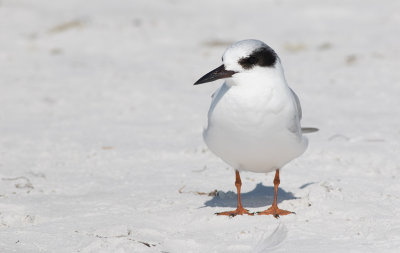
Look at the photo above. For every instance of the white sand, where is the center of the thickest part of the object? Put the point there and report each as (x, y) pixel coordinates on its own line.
(100, 127)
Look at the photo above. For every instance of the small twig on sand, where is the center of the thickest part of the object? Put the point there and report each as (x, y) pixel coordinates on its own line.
(212, 193)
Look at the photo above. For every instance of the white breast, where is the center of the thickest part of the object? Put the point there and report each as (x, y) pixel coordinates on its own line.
(254, 128)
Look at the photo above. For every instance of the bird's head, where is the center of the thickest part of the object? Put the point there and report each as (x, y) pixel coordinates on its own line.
(245, 56)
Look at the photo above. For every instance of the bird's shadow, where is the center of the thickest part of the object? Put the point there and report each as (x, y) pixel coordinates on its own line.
(259, 197)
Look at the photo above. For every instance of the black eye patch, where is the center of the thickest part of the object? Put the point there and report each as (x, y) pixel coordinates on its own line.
(252, 60)
(264, 57)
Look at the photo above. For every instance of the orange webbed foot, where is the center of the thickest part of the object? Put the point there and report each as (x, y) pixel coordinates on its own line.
(275, 211)
(238, 211)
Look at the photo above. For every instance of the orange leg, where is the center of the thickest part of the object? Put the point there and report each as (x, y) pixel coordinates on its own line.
(239, 210)
(274, 210)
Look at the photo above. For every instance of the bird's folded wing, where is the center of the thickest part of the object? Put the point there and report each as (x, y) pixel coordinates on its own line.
(298, 106)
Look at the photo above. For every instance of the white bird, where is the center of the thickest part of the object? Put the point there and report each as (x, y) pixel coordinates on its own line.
(254, 117)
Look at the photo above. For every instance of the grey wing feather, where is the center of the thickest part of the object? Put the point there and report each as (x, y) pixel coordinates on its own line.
(304, 130)
(308, 130)
(298, 106)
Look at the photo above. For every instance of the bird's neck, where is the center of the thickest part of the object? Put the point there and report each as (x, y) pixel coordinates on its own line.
(259, 78)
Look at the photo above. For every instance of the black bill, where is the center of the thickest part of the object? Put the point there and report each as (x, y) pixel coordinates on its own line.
(215, 74)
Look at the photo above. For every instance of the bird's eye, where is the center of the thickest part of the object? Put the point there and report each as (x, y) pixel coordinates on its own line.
(249, 62)
(252, 60)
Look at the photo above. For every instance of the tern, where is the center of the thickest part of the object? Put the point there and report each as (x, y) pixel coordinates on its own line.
(254, 117)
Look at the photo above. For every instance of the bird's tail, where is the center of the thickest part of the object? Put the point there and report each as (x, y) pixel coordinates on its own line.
(308, 130)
